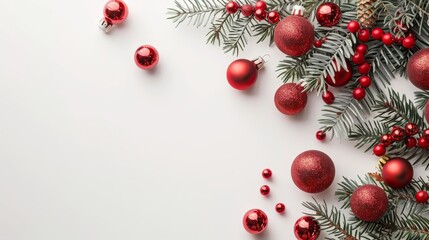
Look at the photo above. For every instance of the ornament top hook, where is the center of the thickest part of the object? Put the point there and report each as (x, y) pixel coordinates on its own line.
(260, 61)
(298, 10)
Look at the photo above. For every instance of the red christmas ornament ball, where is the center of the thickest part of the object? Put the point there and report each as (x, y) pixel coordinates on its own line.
(264, 190)
(422, 196)
(386, 140)
(408, 42)
(232, 7)
(377, 33)
(273, 17)
(242, 74)
(146, 57)
(341, 77)
(410, 142)
(353, 26)
(247, 10)
(294, 35)
(397, 173)
(255, 221)
(328, 97)
(267, 173)
(261, 5)
(306, 228)
(418, 69)
(313, 171)
(290, 99)
(388, 39)
(411, 129)
(359, 93)
(115, 11)
(260, 14)
(369, 203)
(280, 208)
(328, 14)
(423, 142)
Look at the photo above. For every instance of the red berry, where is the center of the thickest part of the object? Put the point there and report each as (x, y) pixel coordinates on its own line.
(411, 129)
(265, 190)
(388, 39)
(365, 81)
(377, 33)
(260, 14)
(359, 93)
(280, 208)
(232, 7)
(324, 39)
(266, 173)
(379, 150)
(422, 196)
(273, 17)
(364, 35)
(358, 58)
(261, 5)
(247, 10)
(364, 68)
(410, 142)
(318, 43)
(320, 135)
(408, 42)
(362, 48)
(328, 97)
(399, 40)
(423, 142)
(426, 133)
(397, 133)
(386, 140)
(353, 26)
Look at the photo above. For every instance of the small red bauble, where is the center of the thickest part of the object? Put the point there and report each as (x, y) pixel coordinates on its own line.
(232, 7)
(280, 208)
(261, 5)
(273, 17)
(328, 97)
(359, 93)
(313, 171)
(411, 129)
(318, 43)
(377, 33)
(264, 190)
(423, 142)
(388, 39)
(358, 58)
(342, 77)
(410, 142)
(386, 140)
(320, 135)
(267, 173)
(408, 42)
(362, 48)
(306, 228)
(247, 10)
(115, 12)
(364, 68)
(255, 221)
(418, 69)
(399, 40)
(397, 133)
(290, 99)
(369, 203)
(426, 133)
(242, 74)
(260, 14)
(397, 173)
(328, 14)
(365, 81)
(353, 26)
(422, 196)
(364, 35)
(379, 150)
(146, 57)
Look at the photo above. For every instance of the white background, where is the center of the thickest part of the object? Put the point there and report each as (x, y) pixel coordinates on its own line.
(92, 147)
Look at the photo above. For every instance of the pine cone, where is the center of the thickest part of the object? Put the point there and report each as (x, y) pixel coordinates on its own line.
(365, 13)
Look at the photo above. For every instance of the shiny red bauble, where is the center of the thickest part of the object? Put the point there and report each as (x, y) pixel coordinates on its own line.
(359, 93)
(377, 33)
(294, 35)
(423, 142)
(341, 77)
(365, 81)
(264, 190)
(242, 74)
(386, 140)
(364, 35)
(379, 150)
(267, 173)
(397, 133)
(408, 42)
(247, 10)
(261, 5)
(328, 14)
(369, 203)
(255, 221)
(290, 99)
(260, 14)
(273, 17)
(320, 135)
(146, 57)
(358, 58)
(418, 69)
(362, 48)
(388, 39)
(313, 171)
(411, 129)
(318, 43)
(422, 196)
(328, 97)
(353, 26)
(364, 68)
(410, 142)
(397, 173)
(280, 208)
(115, 11)
(232, 7)
(306, 228)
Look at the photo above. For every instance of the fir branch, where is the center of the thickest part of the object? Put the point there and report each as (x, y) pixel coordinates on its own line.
(198, 13)
(220, 28)
(292, 69)
(264, 31)
(237, 37)
(367, 134)
(421, 99)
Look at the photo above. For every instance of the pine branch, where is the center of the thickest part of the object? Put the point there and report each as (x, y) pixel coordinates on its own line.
(220, 28)
(264, 31)
(198, 13)
(421, 98)
(367, 134)
(292, 69)
(237, 37)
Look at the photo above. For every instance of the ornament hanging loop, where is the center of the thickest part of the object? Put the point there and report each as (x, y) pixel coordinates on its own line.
(260, 61)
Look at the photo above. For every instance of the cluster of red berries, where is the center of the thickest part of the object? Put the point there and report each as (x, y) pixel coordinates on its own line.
(318, 43)
(406, 134)
(265, 190)
(259, 11)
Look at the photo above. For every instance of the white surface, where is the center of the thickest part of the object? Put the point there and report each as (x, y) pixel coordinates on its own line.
(92, 147)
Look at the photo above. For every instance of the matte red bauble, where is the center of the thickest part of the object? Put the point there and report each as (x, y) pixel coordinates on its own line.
(397, 173)
(369, 203)
(242, 73)
(342, 77)
(313, 171)
(426, 111)
(306, 228)
(146, 57)
(418, 69)
(255, 221)
(290, 99)
(328, 14)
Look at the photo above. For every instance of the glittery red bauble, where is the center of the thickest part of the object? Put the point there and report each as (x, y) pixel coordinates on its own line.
(115, 11)
(146, 57)
(313, 171)
(341, 77)
(255, 221)
(306, 228)
(328, 14)
(369, 203)
(242, 74)
(294, 35)
(418, 69)
(426, 111)
(397, 173)
(290, 99)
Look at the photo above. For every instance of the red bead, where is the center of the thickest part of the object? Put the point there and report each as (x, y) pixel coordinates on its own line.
(280, 208)
(358, 58)
(146, 57)
(397, 133)
(320, 135)
(362, 48)
(364, 68)
(306, 228)
(267, 173)
(115, 11)
(318, 43)
(365, 81)
(328, 14)
(265, 190)
(364, 35)
(255, 221)
(353, 26)
(388, 39)
(273, 17)
(379, 150)
(411, 129)
(408, 42)
(232, 7)
(247, 10)
(423, 142)
(359, 93)
(422, 196)
(242, 74)
(386, 140)
(328, 97)
(410, 142)
(261, 5)
(377, 33)
(260, 14)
